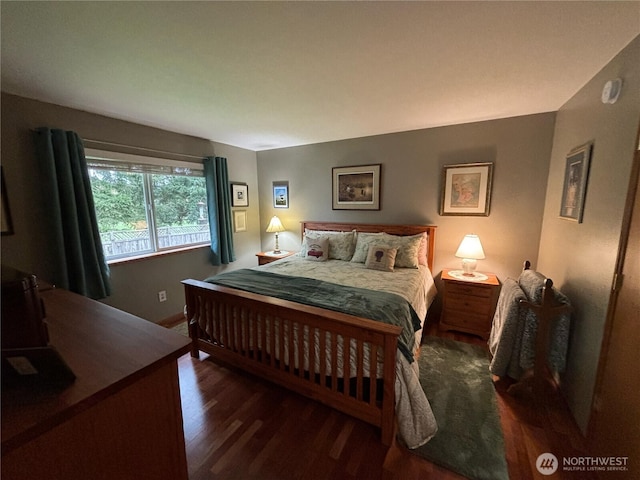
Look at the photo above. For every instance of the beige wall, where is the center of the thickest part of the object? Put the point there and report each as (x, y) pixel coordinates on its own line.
(411, 185)
(580, 258)
(135, 285)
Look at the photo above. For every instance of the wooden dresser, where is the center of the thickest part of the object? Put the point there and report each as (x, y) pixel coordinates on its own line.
(468, 306)
(120, 419)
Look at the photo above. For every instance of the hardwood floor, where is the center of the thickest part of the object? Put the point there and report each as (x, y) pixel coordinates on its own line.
(238, 426)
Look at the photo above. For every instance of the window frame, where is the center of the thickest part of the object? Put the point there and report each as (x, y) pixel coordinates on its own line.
(147, 167)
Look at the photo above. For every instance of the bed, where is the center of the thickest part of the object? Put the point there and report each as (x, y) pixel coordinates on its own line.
(315, 335)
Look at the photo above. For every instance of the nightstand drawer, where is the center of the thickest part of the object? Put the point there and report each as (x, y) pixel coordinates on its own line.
(469, 289)
(467, 321)
(462, 303)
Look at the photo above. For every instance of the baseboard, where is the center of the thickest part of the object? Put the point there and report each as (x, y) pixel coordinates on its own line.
(173, 320)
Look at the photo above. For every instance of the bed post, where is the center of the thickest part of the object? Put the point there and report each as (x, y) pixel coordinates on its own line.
(388, 398)
(192, 322)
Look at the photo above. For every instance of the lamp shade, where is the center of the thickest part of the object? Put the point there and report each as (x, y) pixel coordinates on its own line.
(471, 248)
(275, 225)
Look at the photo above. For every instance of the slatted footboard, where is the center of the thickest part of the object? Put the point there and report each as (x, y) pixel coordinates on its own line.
(301, 348)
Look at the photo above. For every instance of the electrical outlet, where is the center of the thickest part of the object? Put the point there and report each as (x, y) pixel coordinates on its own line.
(162, 296)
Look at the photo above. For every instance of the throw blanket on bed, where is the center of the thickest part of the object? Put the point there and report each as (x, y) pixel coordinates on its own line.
(381, 306)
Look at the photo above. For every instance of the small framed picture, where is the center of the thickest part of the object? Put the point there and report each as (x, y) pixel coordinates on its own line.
(239, 195)
(574, 189)
(281, 194)
(466, 189)
(357, 187)
(240, 221)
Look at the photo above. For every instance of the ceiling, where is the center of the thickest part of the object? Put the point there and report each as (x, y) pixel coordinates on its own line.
(269, 74)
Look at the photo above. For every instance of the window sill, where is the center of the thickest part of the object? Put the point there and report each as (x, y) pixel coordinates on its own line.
(147, 256)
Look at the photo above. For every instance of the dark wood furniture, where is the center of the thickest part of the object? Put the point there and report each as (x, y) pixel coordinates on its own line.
(120, 418)
(468, 306)
(535, 380)
(268, 257)
(241, 316)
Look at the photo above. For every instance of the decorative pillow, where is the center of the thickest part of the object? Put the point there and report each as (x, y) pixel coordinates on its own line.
(381, 258)
(317, 249)
(408, 247)
(363, 242)
(341, 244)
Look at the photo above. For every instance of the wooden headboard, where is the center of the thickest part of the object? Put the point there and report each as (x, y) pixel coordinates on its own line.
(374, 228)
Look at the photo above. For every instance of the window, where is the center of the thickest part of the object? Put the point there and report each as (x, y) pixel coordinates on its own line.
(146, 205)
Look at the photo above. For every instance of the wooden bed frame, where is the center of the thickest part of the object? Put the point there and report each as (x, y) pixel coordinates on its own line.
(241, 320)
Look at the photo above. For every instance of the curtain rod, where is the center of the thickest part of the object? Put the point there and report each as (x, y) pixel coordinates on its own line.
(144, 149)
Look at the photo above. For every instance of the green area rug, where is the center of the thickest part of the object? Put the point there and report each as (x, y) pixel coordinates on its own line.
(182, 328)
(455, 377)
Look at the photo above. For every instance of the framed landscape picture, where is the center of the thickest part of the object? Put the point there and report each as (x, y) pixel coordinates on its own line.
(281, 194)
(574, 188)
(356, 188)
(466, 189)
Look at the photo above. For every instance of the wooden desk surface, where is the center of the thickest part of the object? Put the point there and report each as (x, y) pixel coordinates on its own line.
(106, 348)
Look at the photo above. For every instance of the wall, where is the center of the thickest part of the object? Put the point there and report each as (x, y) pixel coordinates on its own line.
(411, 185)
(135, 284)
(580, 258)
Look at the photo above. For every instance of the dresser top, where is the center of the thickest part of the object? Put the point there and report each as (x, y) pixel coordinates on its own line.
(106, 348)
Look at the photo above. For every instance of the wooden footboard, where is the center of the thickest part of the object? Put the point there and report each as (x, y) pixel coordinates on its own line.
(274, 339)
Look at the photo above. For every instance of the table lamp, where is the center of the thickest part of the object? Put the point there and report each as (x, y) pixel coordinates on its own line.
(470, 250)
(275, 226)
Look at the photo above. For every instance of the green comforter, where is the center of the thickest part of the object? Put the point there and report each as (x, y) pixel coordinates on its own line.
(375, 305)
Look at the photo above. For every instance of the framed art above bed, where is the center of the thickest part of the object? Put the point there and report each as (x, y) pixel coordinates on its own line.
(356, 188)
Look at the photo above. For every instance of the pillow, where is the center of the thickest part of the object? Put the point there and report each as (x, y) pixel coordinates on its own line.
(363, 242)
(317, 249)
(381, 258)
(407, 246)
(341, 244)
(423, 250)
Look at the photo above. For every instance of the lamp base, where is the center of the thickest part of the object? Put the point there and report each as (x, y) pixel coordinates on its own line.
(468, 266)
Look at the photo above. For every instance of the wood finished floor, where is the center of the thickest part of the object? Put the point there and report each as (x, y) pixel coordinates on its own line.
(239, 427)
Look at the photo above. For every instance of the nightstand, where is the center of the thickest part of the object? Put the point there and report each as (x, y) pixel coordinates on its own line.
(268, 257)
(468, 305)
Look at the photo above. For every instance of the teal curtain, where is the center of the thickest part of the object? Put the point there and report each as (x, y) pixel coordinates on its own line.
(72, 226)
(219, 206)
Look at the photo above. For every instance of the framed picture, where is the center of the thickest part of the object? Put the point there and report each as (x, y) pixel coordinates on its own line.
(466, 189)
(7, 224)
(240, 221)
(356, 188)
(576, 174)
(239, 195)
(281, 194)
